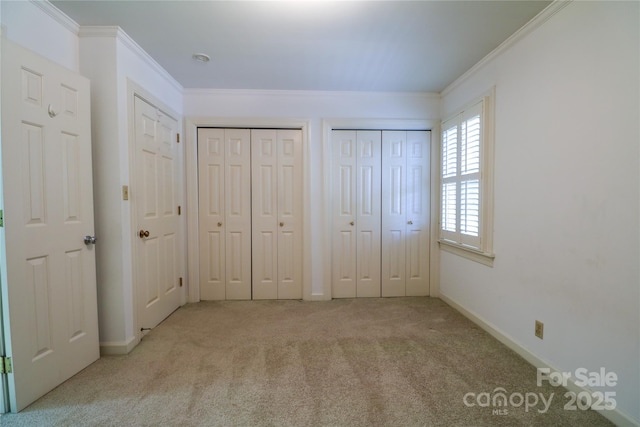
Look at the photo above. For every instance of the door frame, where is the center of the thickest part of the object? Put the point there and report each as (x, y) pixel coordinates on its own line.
(329, 125)
(191, 126)
(133, 90)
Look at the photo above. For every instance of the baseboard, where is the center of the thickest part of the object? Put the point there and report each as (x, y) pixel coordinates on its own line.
(615, 416)
(319, 297)
(118, 348)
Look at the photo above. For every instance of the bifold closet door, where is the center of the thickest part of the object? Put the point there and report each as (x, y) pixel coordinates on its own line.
(276, 192)
(356, 213)
(405, 213)
(224, 175)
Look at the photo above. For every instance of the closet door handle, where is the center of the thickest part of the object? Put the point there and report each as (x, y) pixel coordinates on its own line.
(352, 223)
(219, 224)
(410, 222)
(143, 234)
(282, 224)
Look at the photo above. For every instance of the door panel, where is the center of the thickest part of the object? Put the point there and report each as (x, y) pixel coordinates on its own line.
(277, 213)
(344, 279)
(289, 149)
(368, 218)
(156, 157)
(238, 213)
(211, 215)
(394, 190)
(264, 160)
(48, 274)
(405, 219)
(418, 231)
(224, 199)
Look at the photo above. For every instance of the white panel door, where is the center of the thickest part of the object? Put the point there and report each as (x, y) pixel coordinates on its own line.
(211, 216)
(265, 216)
(368, 187)
(158, 262)
(405, 216)
(224, 176)
(343, 186)
(238, 213)
(277, 213)
(356, 213)
(418, 230)
(289, 214)
(48, 272)
(394, 163)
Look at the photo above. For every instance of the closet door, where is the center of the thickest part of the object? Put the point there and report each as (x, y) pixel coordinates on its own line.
(289, 214)
(368, 208)
(277, 213)
(224, 213)
(356, 214)
(405, 216)
(344, 214)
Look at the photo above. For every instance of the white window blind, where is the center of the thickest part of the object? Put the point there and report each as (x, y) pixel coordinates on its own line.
(462, 178)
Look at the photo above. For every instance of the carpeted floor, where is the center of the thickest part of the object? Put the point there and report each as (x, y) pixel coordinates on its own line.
(364, 362)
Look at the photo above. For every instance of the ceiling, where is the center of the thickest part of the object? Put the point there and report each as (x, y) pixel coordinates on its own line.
(387, 46)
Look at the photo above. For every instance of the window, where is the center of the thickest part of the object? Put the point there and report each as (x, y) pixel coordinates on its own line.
(466, 193)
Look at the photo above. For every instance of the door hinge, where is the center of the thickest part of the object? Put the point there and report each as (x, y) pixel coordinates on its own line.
(179, 210)
(180, 282)
(5, 365)
(1, 218)
(178, 138)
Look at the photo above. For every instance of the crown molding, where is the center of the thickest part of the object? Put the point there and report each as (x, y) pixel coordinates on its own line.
(303, 93)
(119, 34)
(536, 22)
(59, 16)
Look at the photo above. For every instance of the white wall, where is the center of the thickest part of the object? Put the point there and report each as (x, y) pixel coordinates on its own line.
(264, 107)
(37, 26)
(566, 233)
(112, 60)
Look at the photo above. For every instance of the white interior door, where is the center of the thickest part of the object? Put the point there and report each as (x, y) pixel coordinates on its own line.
(344, 163)
(276, 159)
(405, 213)
(48, 272)
(157, 176)
(368, 199)
(356, 213)
(418, 229)
(238, 213)
(211, 214)
(224, 198)
(394, 163)
(289, 214)
(264, 195)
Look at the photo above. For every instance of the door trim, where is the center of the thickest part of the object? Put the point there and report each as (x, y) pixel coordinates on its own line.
(136, 90)
(328, 125)
(191, 126)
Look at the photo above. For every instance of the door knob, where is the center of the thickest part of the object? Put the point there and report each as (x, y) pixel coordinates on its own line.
(51, 112)
(351, 223)
(219, 224)
(410, 222)
(90, 240)
(143, 234)
(282, 224)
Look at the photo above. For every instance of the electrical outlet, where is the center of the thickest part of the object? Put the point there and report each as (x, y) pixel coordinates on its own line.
(539, 329)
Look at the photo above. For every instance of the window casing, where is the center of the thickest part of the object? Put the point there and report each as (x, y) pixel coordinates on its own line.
(466, 193)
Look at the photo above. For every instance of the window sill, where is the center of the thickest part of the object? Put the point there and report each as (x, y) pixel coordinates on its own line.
(467, 252)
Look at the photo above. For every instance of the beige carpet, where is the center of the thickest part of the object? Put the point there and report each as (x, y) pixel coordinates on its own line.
(365, 362)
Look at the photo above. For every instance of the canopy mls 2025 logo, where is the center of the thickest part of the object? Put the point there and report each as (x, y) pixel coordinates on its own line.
(500, 401)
